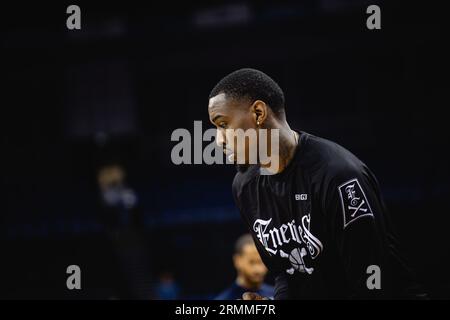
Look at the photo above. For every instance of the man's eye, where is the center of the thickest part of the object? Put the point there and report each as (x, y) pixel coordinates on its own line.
(223, 125)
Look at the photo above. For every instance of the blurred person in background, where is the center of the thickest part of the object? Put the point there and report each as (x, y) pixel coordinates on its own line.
(250, 269)
(122, 216)
(118, 202)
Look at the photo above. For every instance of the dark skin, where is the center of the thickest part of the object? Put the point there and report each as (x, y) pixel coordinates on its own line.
(229, 113)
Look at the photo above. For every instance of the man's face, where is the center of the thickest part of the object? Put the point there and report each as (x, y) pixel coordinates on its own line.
(227, 113)
(249, 265)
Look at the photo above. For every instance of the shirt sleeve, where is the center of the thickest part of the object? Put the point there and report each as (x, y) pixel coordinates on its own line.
(353, 207)
(281, 284)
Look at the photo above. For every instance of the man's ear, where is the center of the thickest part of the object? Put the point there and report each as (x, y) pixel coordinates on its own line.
(259, 110)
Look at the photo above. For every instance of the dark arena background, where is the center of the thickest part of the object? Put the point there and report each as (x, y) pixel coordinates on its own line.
(112, 93)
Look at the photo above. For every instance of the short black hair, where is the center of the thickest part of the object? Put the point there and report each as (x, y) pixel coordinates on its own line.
(251, 84)
(242, 241)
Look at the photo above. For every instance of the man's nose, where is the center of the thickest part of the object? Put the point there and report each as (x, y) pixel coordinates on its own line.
(220, 138)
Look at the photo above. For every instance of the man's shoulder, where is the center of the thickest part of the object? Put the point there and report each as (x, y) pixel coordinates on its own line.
(323, 157)
(233, 292)
(267, 290)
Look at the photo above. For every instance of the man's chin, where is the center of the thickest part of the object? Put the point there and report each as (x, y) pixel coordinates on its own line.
(256, 283)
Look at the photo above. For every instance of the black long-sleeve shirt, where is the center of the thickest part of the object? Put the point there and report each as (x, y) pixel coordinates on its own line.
(321, 226)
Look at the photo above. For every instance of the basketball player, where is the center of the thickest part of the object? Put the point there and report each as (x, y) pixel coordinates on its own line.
(250, 271)
(318, 219)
